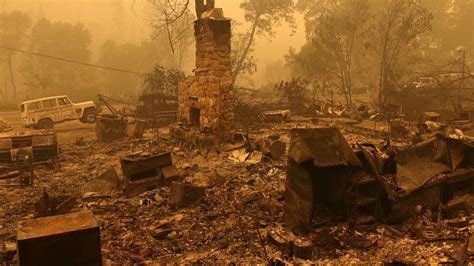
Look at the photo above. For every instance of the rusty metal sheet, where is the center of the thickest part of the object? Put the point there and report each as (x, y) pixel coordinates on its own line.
(457, 151)
(49, 205)
(325, 146)
(56, 225)
(47, 140)
(26, 133)
(402, 208)
(456, 154)
(457, 205)
(460, 175)
(143, 167)
(320, 165)
(108, 129)
(6, 144)
(139, 128)
(418, 164)
(69, 239)
(135, 188)
(298, 195)
(110, 176)
(373, 164)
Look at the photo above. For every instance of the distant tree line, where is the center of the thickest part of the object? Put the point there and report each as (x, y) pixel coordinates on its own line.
(379, 44)
(170, 46)
(349, 44)
(26, 76)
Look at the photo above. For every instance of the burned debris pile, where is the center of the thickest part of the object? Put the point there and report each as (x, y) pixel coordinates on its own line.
(4, 126)
(386, 185)
(41, 144)
(147, 173)
(110, 128)
(74, 238)
(21, 151)
(282, 188)
(50, 205)
(331, 196)
(320, 165)
(180, 180)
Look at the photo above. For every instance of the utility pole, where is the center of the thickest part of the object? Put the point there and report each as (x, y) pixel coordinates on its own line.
(461, 83)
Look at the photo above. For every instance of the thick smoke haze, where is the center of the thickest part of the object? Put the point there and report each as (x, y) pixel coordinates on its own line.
(129, 21)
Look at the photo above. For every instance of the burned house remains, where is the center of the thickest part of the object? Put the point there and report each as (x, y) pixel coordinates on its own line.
(368, 185)
(206, 100)
(312, 160)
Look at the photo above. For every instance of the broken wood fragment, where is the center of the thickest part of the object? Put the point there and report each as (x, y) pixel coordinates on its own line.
(470, 246)
(170, 174)
(282, 240)
(9, 175)
(303, 249)
(274, 149)
(277, 149)
(276, 116)
(136, 188)
(49, 205)
(183, 195)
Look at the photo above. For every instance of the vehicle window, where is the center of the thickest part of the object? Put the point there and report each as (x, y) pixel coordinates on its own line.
(35, 106)
(63, 101)
(49, 103)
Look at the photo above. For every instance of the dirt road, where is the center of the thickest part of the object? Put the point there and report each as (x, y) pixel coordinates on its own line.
(67, 132)
(12, 117)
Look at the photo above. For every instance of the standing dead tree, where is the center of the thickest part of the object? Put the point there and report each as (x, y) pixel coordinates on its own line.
(263, 15)
(168, 13)
(400, 24)
(337, 31)
(13, 31)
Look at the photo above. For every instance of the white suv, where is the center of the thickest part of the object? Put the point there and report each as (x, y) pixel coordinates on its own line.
(45, 112)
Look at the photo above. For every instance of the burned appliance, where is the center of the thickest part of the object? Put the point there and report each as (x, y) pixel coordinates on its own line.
(69, 239)
(145, 173)
(109, 128)
(370, 184)
(24, 164)
(42, 144)
(320, 164)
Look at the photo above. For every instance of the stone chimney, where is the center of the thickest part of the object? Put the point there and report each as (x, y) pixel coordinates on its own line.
(206, 100)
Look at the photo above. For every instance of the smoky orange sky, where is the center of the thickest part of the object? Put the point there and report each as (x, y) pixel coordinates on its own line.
(123, 21)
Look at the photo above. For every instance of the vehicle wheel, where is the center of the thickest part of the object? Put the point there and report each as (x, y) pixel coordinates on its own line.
(45, 124)
(88, 116)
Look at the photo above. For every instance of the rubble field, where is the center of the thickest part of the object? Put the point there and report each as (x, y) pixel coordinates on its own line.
(238, 219)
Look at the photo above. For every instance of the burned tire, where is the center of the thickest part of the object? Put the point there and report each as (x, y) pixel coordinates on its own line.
(45, 124)
(89, 116)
